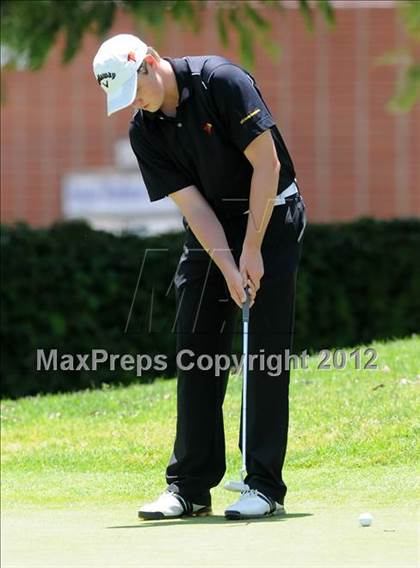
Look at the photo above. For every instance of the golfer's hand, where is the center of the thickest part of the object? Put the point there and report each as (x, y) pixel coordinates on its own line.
(251, 267)
(235, 284)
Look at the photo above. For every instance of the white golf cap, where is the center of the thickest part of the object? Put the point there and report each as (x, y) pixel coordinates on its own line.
(115, 67)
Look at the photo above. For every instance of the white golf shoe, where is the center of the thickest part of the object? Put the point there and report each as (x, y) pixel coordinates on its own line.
(170, 505)
(253, 504)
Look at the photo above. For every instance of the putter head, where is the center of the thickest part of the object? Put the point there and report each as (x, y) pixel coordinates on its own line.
(236, 486)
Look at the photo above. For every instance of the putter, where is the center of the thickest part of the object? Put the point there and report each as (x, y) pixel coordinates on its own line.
(241, 485)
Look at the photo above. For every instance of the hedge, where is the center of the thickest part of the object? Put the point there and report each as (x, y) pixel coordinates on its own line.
(69, 287)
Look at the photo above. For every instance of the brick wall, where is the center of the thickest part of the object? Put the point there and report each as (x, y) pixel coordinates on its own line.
(352, 157)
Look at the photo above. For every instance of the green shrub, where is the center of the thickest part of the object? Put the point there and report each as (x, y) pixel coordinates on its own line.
(71, 288)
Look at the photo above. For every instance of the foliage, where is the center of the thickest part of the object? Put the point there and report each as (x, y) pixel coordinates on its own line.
(31, 28)
(407, 91)
(71, 288)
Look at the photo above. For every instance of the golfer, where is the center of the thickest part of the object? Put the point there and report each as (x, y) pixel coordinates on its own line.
(204, 137)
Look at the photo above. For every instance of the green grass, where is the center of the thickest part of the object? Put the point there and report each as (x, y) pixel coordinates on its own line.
(352, 438)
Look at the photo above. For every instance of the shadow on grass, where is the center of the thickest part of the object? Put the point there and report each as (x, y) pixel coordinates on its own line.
(210, 520)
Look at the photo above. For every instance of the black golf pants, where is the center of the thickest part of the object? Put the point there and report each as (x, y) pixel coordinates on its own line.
(207, 319)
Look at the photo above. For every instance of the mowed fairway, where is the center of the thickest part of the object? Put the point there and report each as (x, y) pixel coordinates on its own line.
(76, 467)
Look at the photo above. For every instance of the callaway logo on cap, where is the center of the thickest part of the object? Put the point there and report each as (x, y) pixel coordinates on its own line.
(115, 67)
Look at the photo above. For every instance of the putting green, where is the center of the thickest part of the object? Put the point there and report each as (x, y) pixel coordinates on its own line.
(306, 536)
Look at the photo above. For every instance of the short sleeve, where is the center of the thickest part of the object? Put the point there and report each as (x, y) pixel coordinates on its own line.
(240, 105)
(160, 174)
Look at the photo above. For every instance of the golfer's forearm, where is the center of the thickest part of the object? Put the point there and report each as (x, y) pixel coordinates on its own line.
(209, 231)
(263, 191)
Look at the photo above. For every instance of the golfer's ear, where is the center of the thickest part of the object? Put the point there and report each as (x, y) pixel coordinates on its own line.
(150, 60)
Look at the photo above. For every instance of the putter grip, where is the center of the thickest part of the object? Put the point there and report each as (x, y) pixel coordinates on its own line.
(245, 307)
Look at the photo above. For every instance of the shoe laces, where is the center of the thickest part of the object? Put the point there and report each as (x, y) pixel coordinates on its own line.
(248, 493)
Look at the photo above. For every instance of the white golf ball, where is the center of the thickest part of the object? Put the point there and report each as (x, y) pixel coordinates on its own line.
(365, 519)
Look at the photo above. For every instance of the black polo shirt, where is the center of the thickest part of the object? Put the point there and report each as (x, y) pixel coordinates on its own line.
(220, 112)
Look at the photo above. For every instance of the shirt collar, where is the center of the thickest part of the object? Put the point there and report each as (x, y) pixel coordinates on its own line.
(182, 75)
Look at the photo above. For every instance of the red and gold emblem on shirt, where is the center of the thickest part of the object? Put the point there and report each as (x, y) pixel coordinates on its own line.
(208, 128)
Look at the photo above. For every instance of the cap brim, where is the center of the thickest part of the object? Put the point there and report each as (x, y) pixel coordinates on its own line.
(123, 97)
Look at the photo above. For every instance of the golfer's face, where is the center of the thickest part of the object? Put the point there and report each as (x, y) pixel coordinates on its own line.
(149, 94)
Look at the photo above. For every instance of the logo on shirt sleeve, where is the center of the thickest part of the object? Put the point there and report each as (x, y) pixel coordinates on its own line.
(208, 128)
(250, 115)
